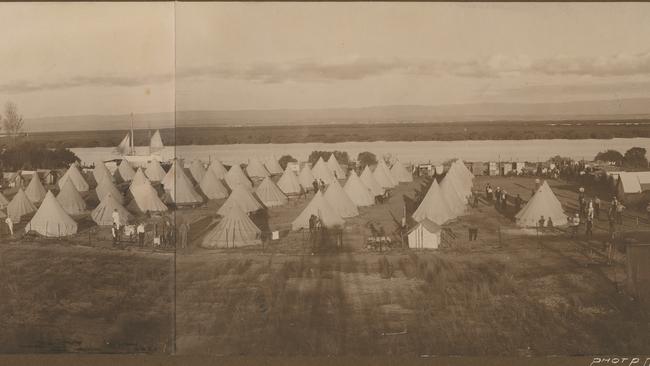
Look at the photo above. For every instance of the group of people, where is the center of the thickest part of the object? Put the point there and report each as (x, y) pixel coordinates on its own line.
(164, 236)
(500, 197)
(318, 185)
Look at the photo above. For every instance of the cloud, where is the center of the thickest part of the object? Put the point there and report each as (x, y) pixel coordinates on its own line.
(495, 66)
(610, 89)
(25, 86)
(296, 71)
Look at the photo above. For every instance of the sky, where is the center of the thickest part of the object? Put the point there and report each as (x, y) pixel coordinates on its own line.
(59, 59)
(114, 58)
(321, 55)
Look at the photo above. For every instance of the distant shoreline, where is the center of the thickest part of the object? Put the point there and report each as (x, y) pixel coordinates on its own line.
(457, 131)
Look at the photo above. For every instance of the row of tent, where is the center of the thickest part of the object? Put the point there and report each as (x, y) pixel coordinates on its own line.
(52, 218)
(448, 200)
(331, 206)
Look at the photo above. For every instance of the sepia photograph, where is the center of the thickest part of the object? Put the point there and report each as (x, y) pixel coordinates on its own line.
(325, 179)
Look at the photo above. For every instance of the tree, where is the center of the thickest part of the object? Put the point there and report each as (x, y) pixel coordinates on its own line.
(611, 156)
(30, 155)
(341, 156)
(12, 121)
(560, 161)
(285, 160)
(366, 158)
(635, 158)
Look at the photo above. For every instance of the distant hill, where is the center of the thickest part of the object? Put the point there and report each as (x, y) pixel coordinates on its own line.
(100, 122)
(583, 110)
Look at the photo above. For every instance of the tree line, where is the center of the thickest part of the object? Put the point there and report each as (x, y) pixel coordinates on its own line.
(21, 155)
(634, 158)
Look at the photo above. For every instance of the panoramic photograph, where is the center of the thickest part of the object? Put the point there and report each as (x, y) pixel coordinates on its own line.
(325, 179)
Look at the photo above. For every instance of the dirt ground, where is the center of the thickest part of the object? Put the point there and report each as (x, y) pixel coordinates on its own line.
(511, 292)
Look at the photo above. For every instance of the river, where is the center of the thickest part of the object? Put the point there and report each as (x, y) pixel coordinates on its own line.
(414, 152)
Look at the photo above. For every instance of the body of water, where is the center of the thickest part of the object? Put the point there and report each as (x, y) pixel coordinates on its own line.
(414, 152)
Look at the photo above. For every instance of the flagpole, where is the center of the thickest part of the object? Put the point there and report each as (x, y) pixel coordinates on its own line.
(132, 137)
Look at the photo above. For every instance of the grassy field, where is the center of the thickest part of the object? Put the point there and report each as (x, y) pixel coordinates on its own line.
(63, 298)
(80, 294)
(330, 133)
(508, 293)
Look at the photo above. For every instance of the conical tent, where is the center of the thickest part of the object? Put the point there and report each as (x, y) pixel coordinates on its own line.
(103, 213)
(339, 200)
(358, 192)
(124, 172)
(463, 169)
(145, 198)
(105, 187)
(319, 207)
(400, 174)
(154, 171)
(3, 200)
(269, 194)
(454, 198)
(51, 220)
(20, 206)
(212, 187)
(382, 175)
(433, 206)
(70, 199)
(235, 229)
(181, 190)
(139, 178)
(242, 198)
(543, 203)
(271, 164)
(462, 182)
(322, 172)
(335, 168)
(218, 169)
(369, 181)
(168, 180)
(236, 176)
(451, 193)
(156, 143)
(306, 178)
(255, 169)
(77, 179)
(100, 171)
(197, 170)
(289, 183)
(35, 190)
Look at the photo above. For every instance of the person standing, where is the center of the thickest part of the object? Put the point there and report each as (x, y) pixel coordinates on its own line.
(589, 227)
(116, 218)
(541, 222)
(10, 225)
(619, 213)
(518, 202)
(597, 208)
(183, 231)
(315, 185)
(114, 233)
(141, 233)
(575, 223)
